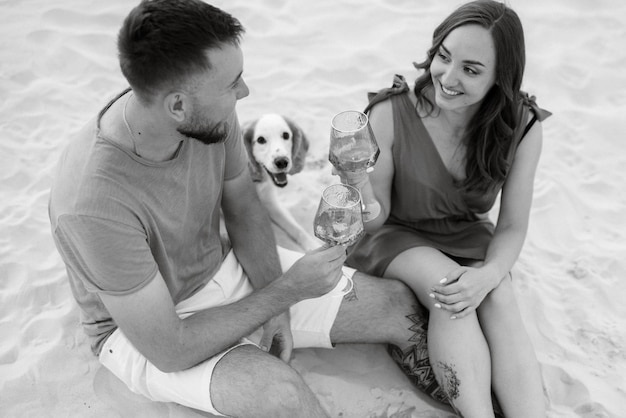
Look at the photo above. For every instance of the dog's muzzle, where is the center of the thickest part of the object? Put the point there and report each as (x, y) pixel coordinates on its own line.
(281, 163)
(280, 177)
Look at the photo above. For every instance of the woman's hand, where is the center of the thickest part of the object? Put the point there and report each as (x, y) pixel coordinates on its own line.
(353, 178)
(463, 290)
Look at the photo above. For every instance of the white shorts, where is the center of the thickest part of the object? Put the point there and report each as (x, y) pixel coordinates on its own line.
(311, 321)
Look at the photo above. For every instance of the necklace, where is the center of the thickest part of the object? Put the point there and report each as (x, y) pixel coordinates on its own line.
(130, 131)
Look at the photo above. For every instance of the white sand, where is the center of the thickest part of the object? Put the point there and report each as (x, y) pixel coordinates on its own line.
(309, 60)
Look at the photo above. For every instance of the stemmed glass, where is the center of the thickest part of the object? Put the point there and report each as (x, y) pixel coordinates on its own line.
(353, 146)
(338, 220)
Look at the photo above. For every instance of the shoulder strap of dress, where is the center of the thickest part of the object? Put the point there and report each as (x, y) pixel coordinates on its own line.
(399, 86)
(539, 114)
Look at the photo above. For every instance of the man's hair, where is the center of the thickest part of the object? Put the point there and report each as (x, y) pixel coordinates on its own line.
(162, 43)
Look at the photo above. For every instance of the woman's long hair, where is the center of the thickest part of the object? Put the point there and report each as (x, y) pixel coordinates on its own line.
(489, 137)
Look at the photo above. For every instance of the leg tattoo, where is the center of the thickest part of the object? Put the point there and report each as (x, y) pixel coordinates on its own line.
(415, 364)
(414, 361)
(450, 381)
(451, 385)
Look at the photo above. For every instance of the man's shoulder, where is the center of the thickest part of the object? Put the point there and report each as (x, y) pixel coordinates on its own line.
(84, 179)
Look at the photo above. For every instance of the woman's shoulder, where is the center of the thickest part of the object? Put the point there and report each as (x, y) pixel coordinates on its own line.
(529, 114)
(399, 86)
(529, 106)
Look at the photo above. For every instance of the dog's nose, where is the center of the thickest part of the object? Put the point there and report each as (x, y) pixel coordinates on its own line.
(281, 163)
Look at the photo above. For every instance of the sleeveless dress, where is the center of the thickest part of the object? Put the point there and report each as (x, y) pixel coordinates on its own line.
(428, 207)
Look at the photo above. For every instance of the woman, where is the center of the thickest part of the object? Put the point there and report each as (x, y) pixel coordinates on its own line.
(465, 133)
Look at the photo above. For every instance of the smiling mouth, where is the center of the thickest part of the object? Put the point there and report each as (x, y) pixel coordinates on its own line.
(279, 179)
(449, 92)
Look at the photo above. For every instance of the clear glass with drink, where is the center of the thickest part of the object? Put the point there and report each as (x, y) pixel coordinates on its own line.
(353, 146)
(338, 220)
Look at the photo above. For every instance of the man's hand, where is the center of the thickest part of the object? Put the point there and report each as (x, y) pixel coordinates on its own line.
(316, 273)
(313, 275)
(277, 337)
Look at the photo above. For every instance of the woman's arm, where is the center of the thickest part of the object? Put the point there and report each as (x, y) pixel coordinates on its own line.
(515, 203)
(463, 289)
(376, 186)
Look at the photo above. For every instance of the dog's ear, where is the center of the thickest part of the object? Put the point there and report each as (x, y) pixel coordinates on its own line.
(256, 171)
(299, 147)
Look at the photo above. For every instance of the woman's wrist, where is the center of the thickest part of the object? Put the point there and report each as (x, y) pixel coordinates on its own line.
(355, 179)
(371, 211)
(493, 273)
(360, 180)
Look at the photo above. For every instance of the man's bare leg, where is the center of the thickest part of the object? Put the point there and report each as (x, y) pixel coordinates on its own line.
(248, 382)
(386, 311)
(378, 310)
(385, 304)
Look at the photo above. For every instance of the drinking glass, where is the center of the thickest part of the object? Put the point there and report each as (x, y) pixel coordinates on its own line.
(353, 146)
(338, 220)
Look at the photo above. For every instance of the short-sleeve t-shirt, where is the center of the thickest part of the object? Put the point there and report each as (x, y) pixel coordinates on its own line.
(118, 218)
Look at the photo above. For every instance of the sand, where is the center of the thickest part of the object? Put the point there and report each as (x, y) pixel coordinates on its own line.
(310, 60)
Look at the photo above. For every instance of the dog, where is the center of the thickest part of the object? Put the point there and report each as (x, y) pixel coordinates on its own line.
(277, 148)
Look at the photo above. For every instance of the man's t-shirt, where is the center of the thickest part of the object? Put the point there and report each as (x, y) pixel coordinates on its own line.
(118, 218)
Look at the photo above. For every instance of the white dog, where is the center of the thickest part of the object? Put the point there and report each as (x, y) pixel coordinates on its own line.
(277, 147)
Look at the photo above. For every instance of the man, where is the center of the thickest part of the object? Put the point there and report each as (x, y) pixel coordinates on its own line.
(135, 215)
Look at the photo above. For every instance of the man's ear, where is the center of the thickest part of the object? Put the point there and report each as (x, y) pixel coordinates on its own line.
(177, 105)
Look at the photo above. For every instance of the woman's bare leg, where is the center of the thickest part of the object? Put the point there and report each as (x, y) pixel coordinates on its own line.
(515, 371)
(458, 350)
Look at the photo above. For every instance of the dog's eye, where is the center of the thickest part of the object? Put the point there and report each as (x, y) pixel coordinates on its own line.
(261, 140)
(285, 135)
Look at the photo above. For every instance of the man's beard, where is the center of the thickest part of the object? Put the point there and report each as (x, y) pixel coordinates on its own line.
(207, 136)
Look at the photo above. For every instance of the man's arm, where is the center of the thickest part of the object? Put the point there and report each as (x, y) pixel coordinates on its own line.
(250, 230)
(148, 318)
(249, 227)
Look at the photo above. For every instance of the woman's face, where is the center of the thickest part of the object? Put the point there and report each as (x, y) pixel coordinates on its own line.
(463, 69)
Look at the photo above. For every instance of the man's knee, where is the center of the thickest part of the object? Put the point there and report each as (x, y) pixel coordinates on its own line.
(405, 315)
(265, 385)
(389, 290)
(286, 391)
(400, 298)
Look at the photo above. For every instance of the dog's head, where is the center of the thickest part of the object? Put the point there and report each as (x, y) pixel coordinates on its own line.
(276, 146)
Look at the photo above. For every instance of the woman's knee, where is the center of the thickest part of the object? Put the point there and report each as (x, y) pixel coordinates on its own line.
(502, 297)
(499, 313)
(420, 268)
